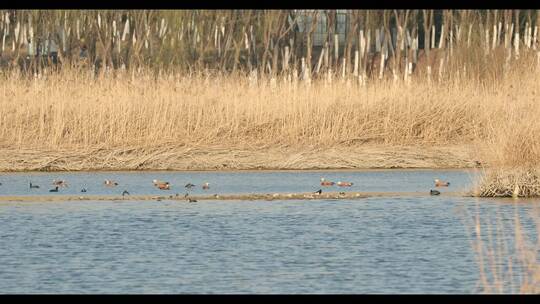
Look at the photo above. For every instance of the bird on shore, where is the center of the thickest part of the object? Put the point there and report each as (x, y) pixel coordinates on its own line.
(110, 183)
(206, 186)
(326, 183)
(434, 192)
(83, 190)
(60, 183)
(33, 186)
(125, 193)
(191, 200)
(318, 191)
(189, 185)
(54, 190)
(344, 184)
(186, 195)
(439, 183)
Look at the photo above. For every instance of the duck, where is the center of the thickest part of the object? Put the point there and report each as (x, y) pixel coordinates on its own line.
(191, 200)
(439, 183)
(54, 190)
(434, 192)
(83, 190)
(206, 186)
(165, 186)
(344, 184)
(189, 185)
(60, 183)
(33, 186)
(318, 191)
(125, 193)
(110, 183)
(158, 182)
(326, 183)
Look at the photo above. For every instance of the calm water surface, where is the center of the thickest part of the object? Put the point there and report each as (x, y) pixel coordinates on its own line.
(375, 245)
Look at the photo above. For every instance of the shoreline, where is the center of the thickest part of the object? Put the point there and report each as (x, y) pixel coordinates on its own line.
(239, 159)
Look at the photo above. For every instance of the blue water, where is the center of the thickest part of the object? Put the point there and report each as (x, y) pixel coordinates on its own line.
(234, 182)
(374, 245)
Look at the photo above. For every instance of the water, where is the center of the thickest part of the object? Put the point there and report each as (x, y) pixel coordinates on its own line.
(374, 245)
(138, 183)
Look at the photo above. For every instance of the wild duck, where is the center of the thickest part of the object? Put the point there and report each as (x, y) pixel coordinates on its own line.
(110, 183)
(326, 183)
(439, 183)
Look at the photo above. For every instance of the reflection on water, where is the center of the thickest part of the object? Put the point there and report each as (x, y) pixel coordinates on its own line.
(374, 245)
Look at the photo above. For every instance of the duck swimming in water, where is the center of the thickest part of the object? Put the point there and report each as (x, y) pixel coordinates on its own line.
(54, 190)
(164, 186)
(439, 183)
(344, 184)
(326, 183)
(189, 185)
(110, 183)
(158, 182)
(60, 183)
(206, 186)
(33, 186)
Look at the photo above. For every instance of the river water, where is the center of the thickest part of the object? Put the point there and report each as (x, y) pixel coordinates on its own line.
(417, 244)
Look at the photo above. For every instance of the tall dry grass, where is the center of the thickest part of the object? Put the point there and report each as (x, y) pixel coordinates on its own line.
(512, 145)
(72, 109)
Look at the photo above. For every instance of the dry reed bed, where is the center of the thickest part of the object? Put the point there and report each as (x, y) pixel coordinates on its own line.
(76, 111)
(139, 120)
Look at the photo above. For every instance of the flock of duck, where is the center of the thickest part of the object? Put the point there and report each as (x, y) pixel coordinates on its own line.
(164, 185)
(325, 183)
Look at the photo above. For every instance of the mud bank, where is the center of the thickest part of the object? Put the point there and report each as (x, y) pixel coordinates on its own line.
(221, 158)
